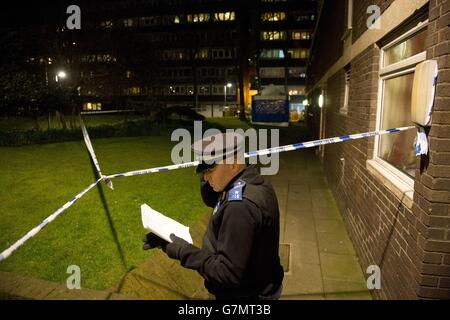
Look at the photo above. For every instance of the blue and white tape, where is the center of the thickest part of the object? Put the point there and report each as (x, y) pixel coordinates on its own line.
(5, 254)
(88, 143)
(285, 148)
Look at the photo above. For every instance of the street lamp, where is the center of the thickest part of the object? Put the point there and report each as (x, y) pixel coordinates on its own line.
(60, 75)
(229, 85)
(321, 101)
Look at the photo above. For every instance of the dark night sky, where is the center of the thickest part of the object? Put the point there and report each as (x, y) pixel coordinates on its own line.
(28, 13)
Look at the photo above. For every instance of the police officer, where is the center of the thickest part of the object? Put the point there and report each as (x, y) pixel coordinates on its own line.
(239, 256)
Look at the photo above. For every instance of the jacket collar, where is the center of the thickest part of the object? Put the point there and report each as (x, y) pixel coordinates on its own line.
(250, 175)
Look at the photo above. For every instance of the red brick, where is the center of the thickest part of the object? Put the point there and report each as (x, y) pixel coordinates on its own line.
(440, 158)
(439, 145)
(438, 246)
(444, 21)
(429, 281)
(441, 116)
(446, 259)
(444, 282)
(440, 131)
(434, 293)
(438, 270)
(432, 257)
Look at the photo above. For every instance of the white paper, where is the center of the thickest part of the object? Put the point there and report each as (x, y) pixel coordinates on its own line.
(163, 226)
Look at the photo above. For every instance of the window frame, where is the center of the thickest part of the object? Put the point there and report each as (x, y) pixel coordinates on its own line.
(396, 180)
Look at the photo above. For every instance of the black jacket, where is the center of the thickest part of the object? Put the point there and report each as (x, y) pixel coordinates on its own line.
(239, 257)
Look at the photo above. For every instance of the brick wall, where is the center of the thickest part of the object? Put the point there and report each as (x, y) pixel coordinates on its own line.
(432, 187)
(378, 222)
(412, 246)
(360, 14)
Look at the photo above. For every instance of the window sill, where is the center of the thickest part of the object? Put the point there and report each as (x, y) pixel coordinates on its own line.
(402, 188)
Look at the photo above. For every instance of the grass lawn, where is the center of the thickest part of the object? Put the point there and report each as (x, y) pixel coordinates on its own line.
(229, 122)
(104, 240)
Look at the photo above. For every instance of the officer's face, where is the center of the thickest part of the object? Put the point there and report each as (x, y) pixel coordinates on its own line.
(219, 176)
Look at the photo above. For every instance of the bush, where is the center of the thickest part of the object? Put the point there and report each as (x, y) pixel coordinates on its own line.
(125, 129)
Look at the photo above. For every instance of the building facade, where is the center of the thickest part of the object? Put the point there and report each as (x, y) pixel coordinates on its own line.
(203, 54)
(396, 206)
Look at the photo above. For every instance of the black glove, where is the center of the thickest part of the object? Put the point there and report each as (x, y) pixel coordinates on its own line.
(151, 241)
(174, 249)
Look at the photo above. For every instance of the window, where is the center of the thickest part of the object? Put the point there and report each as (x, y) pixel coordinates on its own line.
(399, 59)
(203, 90)
(90, 106)
(106, 24)
(301, 35)
(224, 16)
(299, 53)
(202, 54)
(272, 54)
(149, 21)
(273, 35)
(301, 16)
(218, 90)
(298, 72)
(177, 90)
(273, 16)
(221, 53)
(198, 17)
(128, 22)
(173, 55)
(271, 72)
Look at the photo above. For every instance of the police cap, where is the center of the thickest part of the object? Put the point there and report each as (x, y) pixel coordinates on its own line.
(217, 148)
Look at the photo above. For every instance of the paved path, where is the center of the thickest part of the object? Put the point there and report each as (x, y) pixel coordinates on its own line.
(323, 263)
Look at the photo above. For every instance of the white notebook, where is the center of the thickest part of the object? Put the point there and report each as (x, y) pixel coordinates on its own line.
(163, 226)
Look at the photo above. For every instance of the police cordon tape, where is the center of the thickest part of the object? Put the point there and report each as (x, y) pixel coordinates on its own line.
(290, 147)
(303, 145)
(88, 143)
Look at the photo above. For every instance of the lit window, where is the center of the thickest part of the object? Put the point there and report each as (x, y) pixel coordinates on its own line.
(198, 17)
(106, 24)
(301, 35)
(134, 91)
(273, 16)
(299, 53)
(397, 75)
(272, 54)
(273, 35)
(202, 54)
(224, 16)
(89, 106)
